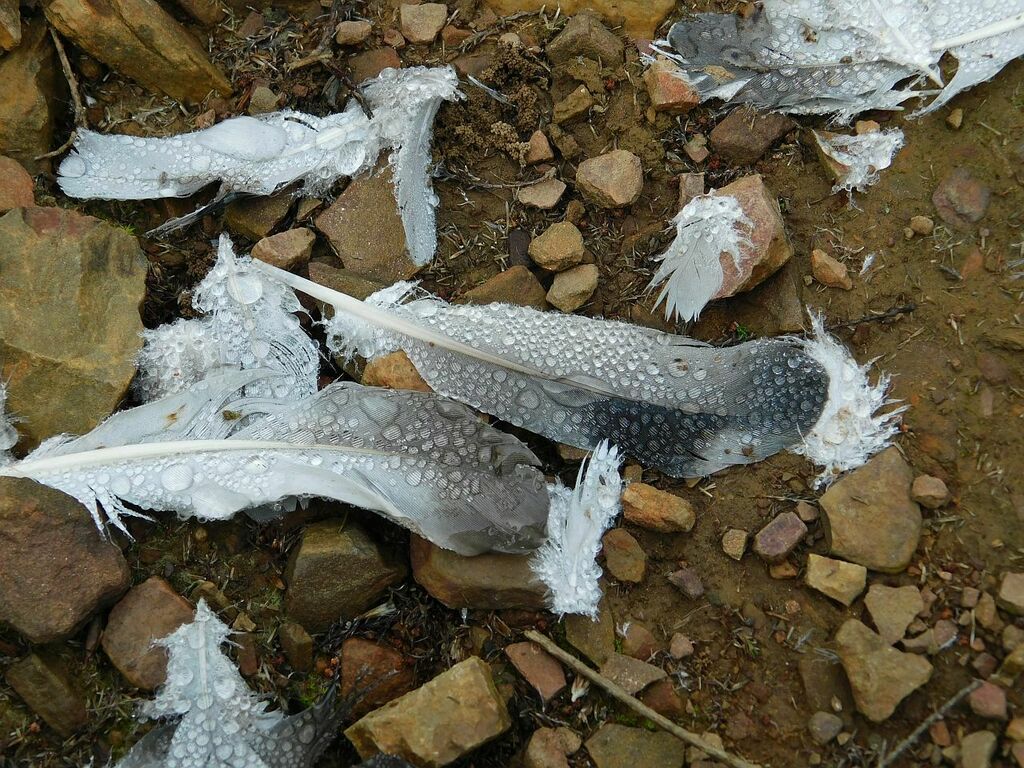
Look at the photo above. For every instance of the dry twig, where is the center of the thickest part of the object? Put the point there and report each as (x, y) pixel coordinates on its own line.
(934, 717)
(80, 116)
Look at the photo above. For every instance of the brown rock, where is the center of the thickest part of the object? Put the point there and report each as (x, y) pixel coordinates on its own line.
(345, 280)
(453, 36)
(646, 506)
(207, 12)
(140, 39)
(395, 371)
(632, 675)
(612, 180)
(618, 746)
(681, 647)
(573, 288)
(544, 195)
(977, 749)
(841, 581)
(373, 674)
(516, 285)
(691, 185)
(1011, 593)
(43, 682)
(422, 22)
(830, 272)
(10, 24)
(576, 104)
(439, 722)
(688, 581)
(667, 90)
(624, 557)
(558, 247)
(746, 134)
(352, 32)
(922, 225)
(661, 696)
(287, 250)
(369, 64)
(775, 541)
(393, 38)
(734, 543)
(150, 611)
(297, 645)
(263, 100)
(595, 639)
(256, 217)
(33, 88)
(988, 701)
(961, 199)
(930, 492)
(540, 149)
(335, 573)
(638, 641)
(16, 187)
(824, 726)
(892, 609)
(869, 517)
(491, 581)
(55, 570)
(540, 668)
(584, 35)
(546, 749)
(933, 640)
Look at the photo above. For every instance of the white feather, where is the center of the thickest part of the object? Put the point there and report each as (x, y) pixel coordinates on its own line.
(8, 432)
(863, 155)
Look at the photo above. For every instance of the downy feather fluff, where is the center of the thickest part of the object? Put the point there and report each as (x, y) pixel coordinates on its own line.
(216, 719)
(8, 432)
(426, 463)
(830, 56)
(710, 229)
(670, 402)
(247, 323)
(862, 156)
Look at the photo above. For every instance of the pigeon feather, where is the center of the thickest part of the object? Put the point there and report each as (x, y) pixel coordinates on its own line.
(859, 158)
(8, 432)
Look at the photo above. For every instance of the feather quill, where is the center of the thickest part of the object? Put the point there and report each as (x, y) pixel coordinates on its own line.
(828, 56)
(859, 158)
(217, 719)
(428, 464)
(673, 403)
(710, 229)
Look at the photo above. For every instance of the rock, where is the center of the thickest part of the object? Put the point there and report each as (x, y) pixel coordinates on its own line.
(516, 285)
(141, 40)
(783, 570)
(624, 557)
(439, 722)
(669, 92)
(880, 676)
(1015, 730)
(688, 581)
(1011, 593)
(150, 611)
(841, 581)
(544, 195)
(930, 492)
(43, 682)
(421, 23)
(34, 87)
(697, 150)
(394, 38)
(646, 506)
(824, 726)
(584, 35)
(573, 288)
(16, 187)
(55, 571)
(263, 100)
(612, 180)
(10, 24)
(829, 272)
(364, 228)
(986, 614)
(806, 511)
(297, 646)
(1011, 668)
(932, 640)
(632, 675)
(638, 641)
(869, 517)
(977, 749)
(287, 250)
(369, 64)
(474, 64)
(69, 318)
(595, 639)
(558, 247)
(661, 696)
(734, 543)
(691, 185)
(769, 247)
(540, 668)
(207, 12)
(335, 573)
(255, 217)
(547, 748)
(961, 199)
(922, 225)
(453, 36)
(576, 104)
(746, 134)
(618, 746)
(775, 541)
(540, 149)
(352, 32)
(373, 674)
(988, 701)
(955, 118)
(892, 609)
(680, 647)
(491, 581)
(395, 371)
(345, 280)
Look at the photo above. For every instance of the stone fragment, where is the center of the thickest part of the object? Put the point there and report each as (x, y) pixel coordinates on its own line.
(395, 371)
(256, 217)
(661, 696)
(422, 22)
(373, 674)
(150, 611)
(540, 668)
(207, 12)
(369, 64)
(347, 281)
(955, 118)
(141, 40)
(69, 319)
(824, 727)
(624, 557)
(806, 511)
(880, 676)
(697, 150)
(16, 187)
(516, 285)
(734, 543)
(394, 38)
(961, 199)
(453, 36)
(932, 640)
(335, 573)
(892, 609)
(1011, 593)
(439, 722)
(491, 581)
(977, 749)
(549, 748)
(594, 638)
(775, 541)
(746, 134)
(287, 250)
(691, 185)
(352, 32)
(43, 682)
(988, 701)
(612, 180)
(573, 288)
(544, 195)
(837, 579)
(646, 506)
(930, 492)
(829, 271)
(575, 105)
(584, 35)
(632, 675)
(297, 645)
(540, 149)
(618, 746)
(869, 517)
(263, 100)
(638, 641)
(365, 229)
(558, 247)
(922, 225)
(10, 24)
(680, 647)
(986, 614)
(1011, 668)
(688, 581)
(668, 91)
(33, 87)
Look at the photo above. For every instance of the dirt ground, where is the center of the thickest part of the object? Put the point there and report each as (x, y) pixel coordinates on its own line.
(750, 630)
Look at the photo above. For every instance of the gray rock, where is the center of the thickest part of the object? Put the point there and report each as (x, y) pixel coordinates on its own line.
(775, 541)
(961, 199)
(632, 675)
(44, 683)
(824, 726)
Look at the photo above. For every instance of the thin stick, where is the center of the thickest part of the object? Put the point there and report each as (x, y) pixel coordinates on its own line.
(904, 309)
(637, 706)
(927, 723)
(80, 116)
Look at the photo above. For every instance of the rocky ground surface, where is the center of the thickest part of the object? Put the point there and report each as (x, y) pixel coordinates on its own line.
(793, 626)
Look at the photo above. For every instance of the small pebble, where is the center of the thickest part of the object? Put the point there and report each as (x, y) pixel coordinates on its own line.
(955, 119)
(922, 225)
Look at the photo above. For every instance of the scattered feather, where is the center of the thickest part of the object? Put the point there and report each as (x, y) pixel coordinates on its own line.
(8, 432)
(861, 157)
(710, 229)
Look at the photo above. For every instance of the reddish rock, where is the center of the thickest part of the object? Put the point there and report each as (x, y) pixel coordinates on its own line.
(661, 696)
(775, 541)
(989, 701)
(549, 747)
(746, 134)
(624, 557)
(1011, 593)
(373, 674)
(829, 271)
(681, 646)
(540, 149)
(612, 180)
(646, 506)
(961, 199)
(667, 90)
(516, 285)
(688, 581)
(369, 64)
(16, 187)
(540, 668)
(544, 195)
(352, 32)
(422, 22)
(639, 642)
(286, 250)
